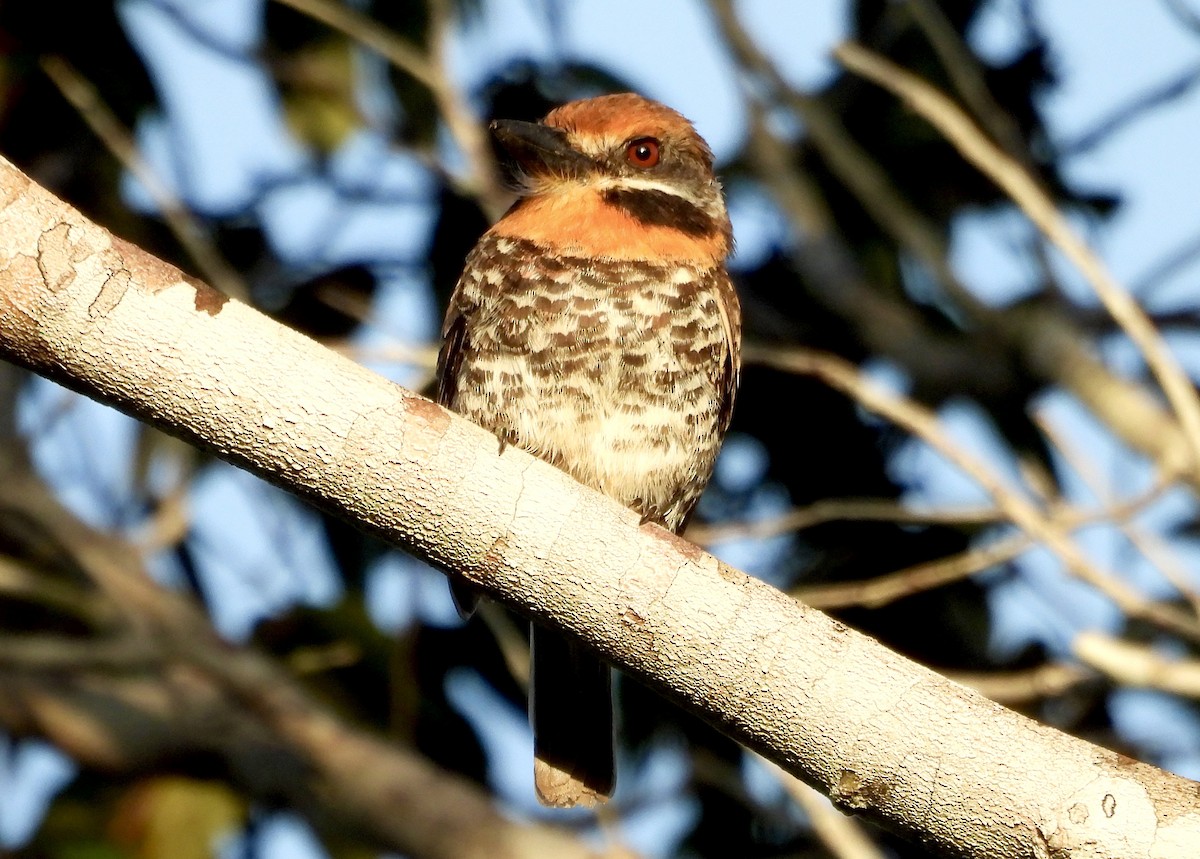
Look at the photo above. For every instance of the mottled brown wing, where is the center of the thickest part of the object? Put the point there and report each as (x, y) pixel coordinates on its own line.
(727, 374)
(450, 357)
(454, 347)
(462, 313)
(731, 369)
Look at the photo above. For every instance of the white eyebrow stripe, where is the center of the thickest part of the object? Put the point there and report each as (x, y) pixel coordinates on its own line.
(714, 208)
(634, 183)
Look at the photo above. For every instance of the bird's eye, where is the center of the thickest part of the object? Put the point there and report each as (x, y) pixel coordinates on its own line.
(642, 152)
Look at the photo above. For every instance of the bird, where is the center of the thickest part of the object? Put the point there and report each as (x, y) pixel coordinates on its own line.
(595, 326)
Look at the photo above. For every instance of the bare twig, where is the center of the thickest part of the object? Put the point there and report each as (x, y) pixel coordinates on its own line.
(1138, 665)
(1049, 345)
(886, 325)
(881, 590)
(511, 638)
(842, 835)
(1164, 93)
(1018, 687)
(1055, 349)
(168, 523)
(1154, 549)
(835, 509)
(97, 700)
(424, 357)
(57, 653)
(318, 659)
(1175, 261)
(483, 174)
(967, 76)
(33, 585)
(349, 21)
(849, 161)
(1023, 513)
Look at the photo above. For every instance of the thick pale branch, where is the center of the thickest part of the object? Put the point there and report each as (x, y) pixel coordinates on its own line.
(883, 736)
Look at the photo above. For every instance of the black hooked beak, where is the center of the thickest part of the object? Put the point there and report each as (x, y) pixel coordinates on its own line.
(539, 149)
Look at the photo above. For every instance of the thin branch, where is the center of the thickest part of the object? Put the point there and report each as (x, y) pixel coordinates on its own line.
(423, 357)
(1054, 349)
(852, 164)
(1174, 262)
(57, 653)
(169, 685)
(512, 641)
(1171, 90)
(396, 352)
(347, 20)
(881, 590)
(922, 423)
(794, 192)
(168, 523)
(1013, 688)
(889, 326)
(483, 174)
(1152, 548)
(1049, 344)
(967, 76)
(842, 835)
(19, 581)
(1138, 665)
(838, 509)
(938, 110)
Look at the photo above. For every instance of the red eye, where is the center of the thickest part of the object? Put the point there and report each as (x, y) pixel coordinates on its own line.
(642, 152)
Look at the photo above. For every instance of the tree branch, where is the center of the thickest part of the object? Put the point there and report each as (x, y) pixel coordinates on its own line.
(169, 691)
(882, 736)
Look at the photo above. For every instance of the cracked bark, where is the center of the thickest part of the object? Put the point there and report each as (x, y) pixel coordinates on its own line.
(886, 738)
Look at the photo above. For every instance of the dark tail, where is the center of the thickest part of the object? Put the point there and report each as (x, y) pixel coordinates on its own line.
(570, 708)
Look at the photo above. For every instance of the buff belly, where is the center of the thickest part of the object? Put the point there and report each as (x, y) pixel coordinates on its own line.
(643, 455)
(635, 424)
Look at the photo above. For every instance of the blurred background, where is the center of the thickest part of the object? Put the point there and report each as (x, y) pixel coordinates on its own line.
(326, 163)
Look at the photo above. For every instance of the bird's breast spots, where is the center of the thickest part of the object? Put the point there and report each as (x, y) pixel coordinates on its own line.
(549, 306)
(578, 222)
(592, 320)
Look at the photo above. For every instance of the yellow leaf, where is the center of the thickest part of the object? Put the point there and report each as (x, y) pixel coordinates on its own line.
(175, 818)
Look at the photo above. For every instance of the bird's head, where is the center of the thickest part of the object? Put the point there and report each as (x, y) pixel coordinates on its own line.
(615, 164)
